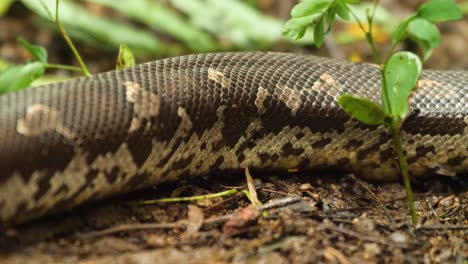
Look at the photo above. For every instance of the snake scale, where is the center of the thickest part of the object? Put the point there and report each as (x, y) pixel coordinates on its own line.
(66, 143)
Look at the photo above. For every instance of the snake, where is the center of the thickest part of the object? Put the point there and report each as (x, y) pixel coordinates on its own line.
(71, 142)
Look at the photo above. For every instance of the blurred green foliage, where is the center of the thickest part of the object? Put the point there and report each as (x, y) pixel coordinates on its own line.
(104, 32)
(18, 77)
(161, 28)
(145, 28)
(232, 21)
(163, 19)
(168, 27)
(5, 5)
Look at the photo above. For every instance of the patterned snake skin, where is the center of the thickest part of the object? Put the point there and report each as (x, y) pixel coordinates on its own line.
(66, 143)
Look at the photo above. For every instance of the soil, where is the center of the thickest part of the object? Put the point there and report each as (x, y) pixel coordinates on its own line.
(306, 217)
(330, 218)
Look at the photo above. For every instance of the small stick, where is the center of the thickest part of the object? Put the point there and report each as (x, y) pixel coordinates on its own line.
(443, 227)
(131, 227)
(274, 191)
(363, 237)
(280, 202)
(179, 224)
(188, 199)
(381, 205)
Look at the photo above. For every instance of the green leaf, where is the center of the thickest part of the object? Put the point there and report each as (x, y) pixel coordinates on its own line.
(342, 9)
(309, 7)
(309, 14)
(400, 32)
(330, 17)
(362, 109)
(38, 52)
(295, 28)
(126, 58)
(426, 34)
(440, 10)
(20, 76)
(4, 6)
(400, 76)
(319, 33)
(353, 2)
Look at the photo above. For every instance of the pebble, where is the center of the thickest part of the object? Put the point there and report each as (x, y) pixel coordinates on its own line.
(399, 237)
(305, 187)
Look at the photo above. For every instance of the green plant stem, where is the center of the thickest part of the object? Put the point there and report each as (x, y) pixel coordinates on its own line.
(369, 37)
(395, 131)
(374, 8)
(390, 52)
(69, 41)
(190, 198)
(61, 66)
(67, 38)
(387, 107)
(368, 34)
(371, 41)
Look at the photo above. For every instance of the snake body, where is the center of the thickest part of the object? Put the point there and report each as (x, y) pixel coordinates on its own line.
(66, 143)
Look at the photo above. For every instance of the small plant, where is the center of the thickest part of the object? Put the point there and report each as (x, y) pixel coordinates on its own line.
(18, 77)
(21, 76)
(400, 71)
(125, 58)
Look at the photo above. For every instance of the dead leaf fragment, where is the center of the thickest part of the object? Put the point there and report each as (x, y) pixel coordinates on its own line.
(195, 219)
(241, 221)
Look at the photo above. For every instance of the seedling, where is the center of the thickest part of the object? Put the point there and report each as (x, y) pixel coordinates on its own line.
(21, 76)
(400, 71)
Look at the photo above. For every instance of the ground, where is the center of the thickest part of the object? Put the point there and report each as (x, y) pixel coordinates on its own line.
(306, 217)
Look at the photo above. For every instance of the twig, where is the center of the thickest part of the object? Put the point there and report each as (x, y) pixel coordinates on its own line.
(181, 224)
(280, 202)
(443, 227)
(363, 237)
(415, 195)
(131, 227)
(274, 191)
(224, 203)
(232, 187)
(188, 199)
(381, 205)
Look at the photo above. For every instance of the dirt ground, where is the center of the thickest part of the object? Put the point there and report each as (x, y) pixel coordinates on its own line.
(306, 217)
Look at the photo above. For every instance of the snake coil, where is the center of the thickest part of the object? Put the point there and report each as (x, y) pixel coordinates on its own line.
(66, 143)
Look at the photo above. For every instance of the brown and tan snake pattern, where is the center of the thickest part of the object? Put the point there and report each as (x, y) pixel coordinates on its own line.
(66, 143)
